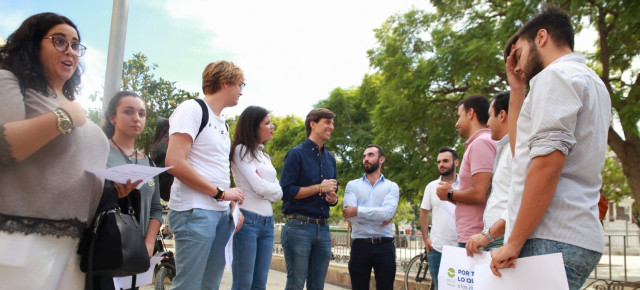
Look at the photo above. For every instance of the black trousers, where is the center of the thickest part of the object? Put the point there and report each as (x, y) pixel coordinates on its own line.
(381, 257)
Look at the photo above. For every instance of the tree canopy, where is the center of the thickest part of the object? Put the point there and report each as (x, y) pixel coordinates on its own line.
(160, 96)
(426, 61)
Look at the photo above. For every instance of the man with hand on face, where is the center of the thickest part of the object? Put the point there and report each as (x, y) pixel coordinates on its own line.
(309, 186)
(369, 204)
(443, 217)
(559, 137)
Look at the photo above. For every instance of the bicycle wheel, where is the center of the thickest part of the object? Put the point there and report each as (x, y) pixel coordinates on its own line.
(419, 269)
(164, 276)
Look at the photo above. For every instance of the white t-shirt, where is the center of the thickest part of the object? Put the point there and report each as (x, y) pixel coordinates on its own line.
(209, 156)
(443, 217)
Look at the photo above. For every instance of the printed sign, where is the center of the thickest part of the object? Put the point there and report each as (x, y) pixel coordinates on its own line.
(457, 270)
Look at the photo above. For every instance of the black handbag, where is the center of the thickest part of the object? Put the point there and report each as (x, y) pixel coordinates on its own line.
(114, 245)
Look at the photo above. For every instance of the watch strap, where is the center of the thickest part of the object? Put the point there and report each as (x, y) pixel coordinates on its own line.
(64, 123)
(220, 193)
(488, 235)
(67, 113)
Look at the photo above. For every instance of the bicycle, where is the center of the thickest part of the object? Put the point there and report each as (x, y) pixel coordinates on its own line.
(165, 270)
(416, 271)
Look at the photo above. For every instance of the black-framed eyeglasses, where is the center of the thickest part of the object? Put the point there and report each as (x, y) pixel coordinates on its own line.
(242, 85)
(61, 45)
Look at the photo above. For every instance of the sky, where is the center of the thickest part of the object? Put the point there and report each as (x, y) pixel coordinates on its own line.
(293, 53)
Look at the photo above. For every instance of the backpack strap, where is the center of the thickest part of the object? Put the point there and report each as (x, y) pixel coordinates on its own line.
(205, 115)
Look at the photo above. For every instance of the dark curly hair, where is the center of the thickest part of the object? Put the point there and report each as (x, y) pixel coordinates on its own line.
(20, 54)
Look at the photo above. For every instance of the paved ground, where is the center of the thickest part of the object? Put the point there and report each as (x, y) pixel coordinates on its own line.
(276, 280)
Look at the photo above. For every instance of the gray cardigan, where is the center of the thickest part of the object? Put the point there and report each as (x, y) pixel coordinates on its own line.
(149, 192)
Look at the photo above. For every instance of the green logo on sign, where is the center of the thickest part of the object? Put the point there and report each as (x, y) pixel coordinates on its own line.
(451, 272)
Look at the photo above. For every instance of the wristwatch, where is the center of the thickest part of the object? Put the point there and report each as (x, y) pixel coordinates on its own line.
(488, 235)
(64, 122)
(220, 192)
(450, 195)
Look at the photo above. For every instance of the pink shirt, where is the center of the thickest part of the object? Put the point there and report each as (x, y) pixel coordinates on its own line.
(479, 156)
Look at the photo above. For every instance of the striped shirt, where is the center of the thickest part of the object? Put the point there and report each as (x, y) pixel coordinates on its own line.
(567, 109)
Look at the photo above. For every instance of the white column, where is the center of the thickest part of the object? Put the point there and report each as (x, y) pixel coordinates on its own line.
(115, 56)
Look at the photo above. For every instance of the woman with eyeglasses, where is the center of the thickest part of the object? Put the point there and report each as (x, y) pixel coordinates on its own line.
(125, 119)
(255, 175)
(47, 198)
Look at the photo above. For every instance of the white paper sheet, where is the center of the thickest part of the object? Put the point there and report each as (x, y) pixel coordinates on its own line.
(531, 273)
(457, 270)
(141, 279)
(228, 249)
(134, 172)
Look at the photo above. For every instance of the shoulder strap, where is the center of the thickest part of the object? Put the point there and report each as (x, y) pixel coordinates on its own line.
(205, 115)
(22, 89)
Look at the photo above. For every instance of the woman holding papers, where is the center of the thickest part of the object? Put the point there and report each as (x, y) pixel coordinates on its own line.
(47, 198)
(124, 121)
(255, 175)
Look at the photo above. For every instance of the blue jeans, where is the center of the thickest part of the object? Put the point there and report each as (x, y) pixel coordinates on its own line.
(252, 251)
(307, 250)
(434, 258)
(381, 257)
(200, 236)
(578, 262)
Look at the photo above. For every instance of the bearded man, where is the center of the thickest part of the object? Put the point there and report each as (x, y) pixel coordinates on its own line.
(443, 218)
(559, 136)
(369, 204)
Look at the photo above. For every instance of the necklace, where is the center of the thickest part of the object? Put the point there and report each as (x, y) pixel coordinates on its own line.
(126, 157)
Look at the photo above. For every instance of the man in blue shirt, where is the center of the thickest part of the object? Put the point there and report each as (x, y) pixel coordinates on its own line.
(309, 186)
(370, 203)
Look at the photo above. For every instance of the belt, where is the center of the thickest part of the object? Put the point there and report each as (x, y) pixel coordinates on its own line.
(321, 222)
(374, 241)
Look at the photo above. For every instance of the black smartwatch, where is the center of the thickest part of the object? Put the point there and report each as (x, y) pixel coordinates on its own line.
(220, 192)
(450, 195)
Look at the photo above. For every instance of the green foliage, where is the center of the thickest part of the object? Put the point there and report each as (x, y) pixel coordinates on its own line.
(289, 132)
(425, 62)
(161, 96)
(352, 132)
(95, 115)
(614, 183)
(405, 212)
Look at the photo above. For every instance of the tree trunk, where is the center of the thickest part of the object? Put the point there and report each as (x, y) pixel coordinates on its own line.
(628, 151)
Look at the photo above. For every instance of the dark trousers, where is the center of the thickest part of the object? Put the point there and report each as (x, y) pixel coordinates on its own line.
(365, 256)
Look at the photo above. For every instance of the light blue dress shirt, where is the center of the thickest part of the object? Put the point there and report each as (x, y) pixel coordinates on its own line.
(376, 204)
